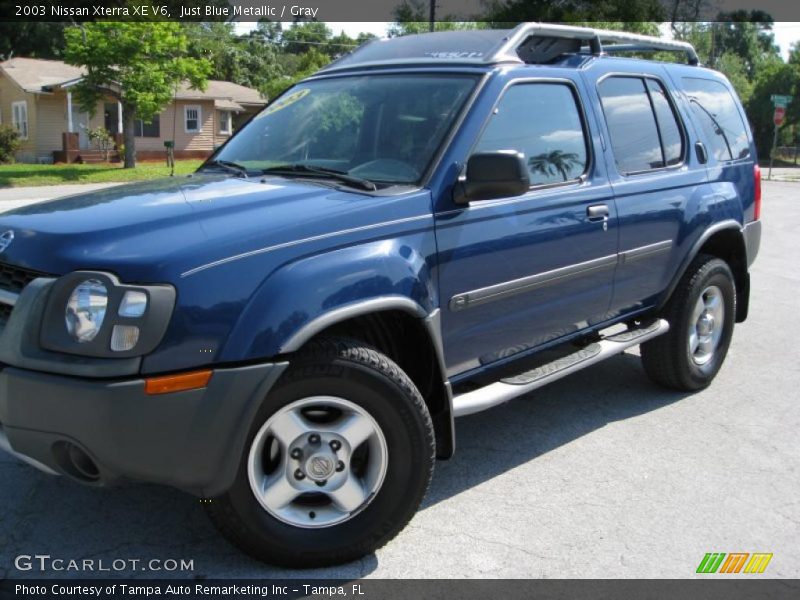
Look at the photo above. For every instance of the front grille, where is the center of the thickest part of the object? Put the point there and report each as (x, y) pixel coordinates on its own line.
(14, 279)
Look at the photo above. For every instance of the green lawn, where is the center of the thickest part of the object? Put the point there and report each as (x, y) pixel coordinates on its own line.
(18, 175)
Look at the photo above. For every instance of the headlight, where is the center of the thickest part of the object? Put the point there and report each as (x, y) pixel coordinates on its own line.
(86, 309)
(94, 314)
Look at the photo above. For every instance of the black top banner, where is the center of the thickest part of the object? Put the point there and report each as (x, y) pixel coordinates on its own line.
(392, 10)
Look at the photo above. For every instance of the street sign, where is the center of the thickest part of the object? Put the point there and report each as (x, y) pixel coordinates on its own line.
(779, 115)
(780, 100)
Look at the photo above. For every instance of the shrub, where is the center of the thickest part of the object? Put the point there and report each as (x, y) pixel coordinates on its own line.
(102, 140)
(9, 143)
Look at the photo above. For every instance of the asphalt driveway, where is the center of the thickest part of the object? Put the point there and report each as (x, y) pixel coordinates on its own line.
(599, 475)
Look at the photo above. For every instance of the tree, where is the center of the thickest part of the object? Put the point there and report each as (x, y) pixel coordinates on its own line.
(773, 77)
(306, 64)
(141, 64)
(216, 42)
(300, 36)
(629, 12)
(733, 67)
(32, 39)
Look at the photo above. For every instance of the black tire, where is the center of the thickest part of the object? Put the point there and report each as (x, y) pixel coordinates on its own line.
(667, 359)
(351, 370)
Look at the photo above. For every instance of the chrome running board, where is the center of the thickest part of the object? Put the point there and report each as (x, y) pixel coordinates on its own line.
(511, 387)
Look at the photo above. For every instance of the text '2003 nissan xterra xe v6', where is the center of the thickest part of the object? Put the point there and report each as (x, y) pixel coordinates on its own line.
(428, 227)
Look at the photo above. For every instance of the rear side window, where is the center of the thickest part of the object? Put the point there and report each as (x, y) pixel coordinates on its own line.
(717, 112)
(644, 130)
(541, 120)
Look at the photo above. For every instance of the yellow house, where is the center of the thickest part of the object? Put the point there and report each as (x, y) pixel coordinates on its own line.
(36, 99)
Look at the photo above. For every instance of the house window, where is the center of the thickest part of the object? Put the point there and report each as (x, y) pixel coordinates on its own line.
(191, 119)
(225, 118)
(144, 129)
(19, 118)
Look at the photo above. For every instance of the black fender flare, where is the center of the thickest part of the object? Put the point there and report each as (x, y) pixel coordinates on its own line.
(444, 423)
(727, 225)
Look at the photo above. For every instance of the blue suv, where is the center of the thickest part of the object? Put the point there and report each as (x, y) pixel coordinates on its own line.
(426, 228)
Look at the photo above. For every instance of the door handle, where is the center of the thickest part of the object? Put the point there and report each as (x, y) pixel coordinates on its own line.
(702, 155)
(598, 212)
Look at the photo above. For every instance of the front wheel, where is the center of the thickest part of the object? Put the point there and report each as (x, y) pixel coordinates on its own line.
(701, 314)
(339, 458)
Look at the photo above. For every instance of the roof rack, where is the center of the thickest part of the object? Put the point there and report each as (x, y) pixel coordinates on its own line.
(515, 46)
(531, 43)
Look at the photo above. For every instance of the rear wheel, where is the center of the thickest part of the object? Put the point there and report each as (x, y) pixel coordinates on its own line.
(339, 459)
(701, 314)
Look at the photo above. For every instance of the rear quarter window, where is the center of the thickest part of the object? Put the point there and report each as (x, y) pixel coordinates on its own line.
(717, 113)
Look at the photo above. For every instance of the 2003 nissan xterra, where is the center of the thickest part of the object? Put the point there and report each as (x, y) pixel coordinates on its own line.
(426, 228)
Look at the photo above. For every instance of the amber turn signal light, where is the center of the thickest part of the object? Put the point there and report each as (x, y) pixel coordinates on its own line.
(177, 383)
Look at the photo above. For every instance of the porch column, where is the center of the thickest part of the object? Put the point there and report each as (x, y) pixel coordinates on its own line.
(69, 112)
(119, 117)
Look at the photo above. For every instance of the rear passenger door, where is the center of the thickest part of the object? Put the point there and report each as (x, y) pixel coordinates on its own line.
(656, 179)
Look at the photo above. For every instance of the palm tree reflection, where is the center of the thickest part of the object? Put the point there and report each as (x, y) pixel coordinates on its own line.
(556, 161)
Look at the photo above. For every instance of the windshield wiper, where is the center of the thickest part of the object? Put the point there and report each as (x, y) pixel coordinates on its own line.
(364, 184)
(228, 166)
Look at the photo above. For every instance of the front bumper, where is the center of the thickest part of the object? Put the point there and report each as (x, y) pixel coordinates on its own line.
(191, 440)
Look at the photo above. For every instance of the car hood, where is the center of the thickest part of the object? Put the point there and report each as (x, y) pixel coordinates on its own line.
(156, 230)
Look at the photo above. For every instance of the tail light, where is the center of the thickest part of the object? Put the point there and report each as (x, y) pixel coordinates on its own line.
(757, 194)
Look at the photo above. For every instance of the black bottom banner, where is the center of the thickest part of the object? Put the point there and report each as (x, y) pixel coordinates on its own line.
(398, 589)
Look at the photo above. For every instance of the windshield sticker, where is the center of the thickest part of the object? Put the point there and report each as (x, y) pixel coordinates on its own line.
(284, 102)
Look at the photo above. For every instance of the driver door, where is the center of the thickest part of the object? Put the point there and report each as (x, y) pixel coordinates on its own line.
(515, 273)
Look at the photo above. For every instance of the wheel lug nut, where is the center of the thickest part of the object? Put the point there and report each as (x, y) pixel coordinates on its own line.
(313, 439)
(340, 466)
(335, 445)
(297, 454)
(321, 483)
(299, 475)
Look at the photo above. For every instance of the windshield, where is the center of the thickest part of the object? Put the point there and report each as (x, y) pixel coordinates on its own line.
(380, 128)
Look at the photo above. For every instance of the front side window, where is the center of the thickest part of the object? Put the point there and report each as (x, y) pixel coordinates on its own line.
(19, 118)
(541, 120)
(716, 110)
(192, 118)
(384, 128)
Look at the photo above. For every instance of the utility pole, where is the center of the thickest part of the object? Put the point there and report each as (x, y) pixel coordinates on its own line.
(432, 15)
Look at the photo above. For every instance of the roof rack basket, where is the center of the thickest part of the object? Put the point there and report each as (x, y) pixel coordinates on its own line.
(526, 42)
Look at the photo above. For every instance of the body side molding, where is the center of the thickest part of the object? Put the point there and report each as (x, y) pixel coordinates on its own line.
(634, 254)
(531, 282)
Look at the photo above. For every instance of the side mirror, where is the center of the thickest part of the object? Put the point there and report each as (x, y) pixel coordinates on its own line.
(490, 175)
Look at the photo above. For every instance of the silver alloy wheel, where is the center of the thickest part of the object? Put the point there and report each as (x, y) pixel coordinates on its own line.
(706, 325)
(317, 462)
